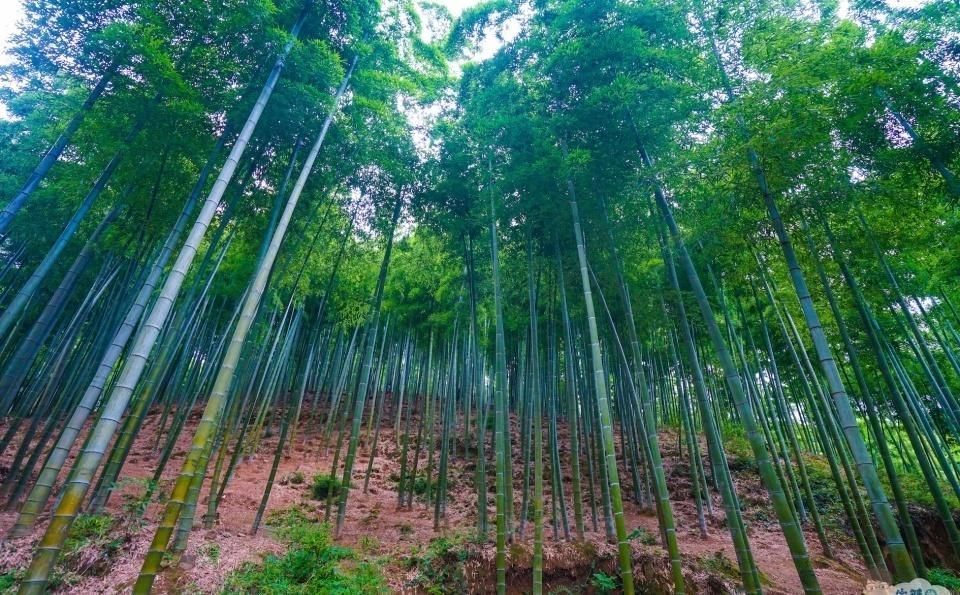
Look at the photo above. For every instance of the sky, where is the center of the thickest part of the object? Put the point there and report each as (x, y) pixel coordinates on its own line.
(457, 6)
(10, 13)
(12, 10)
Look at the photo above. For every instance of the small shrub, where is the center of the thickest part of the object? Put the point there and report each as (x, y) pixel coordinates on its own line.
(296, 478)
(287, 517)
(516, 551)
(405, 529)
(944, 578)
(641, 535)
(135, 505)
(89, 548)
(587, 549)
(739, 452)
(605, 583)
(87, 529)
(413, 559)
(210, 551)
(313, 564)
(442, 566)
(721, 565)
(324, 486)
(9, 580)
(419, 484)
(371, 517)
(368, 544)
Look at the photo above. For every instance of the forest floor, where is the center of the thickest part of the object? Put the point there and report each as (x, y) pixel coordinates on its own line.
(402, 541)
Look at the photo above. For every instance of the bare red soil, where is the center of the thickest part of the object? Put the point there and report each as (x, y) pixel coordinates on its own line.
(394, 532)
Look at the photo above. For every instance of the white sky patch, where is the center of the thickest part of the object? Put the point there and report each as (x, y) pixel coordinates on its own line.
(456, 6)
(492, 42)
(11, 11)
(844, 8)
(422, 117)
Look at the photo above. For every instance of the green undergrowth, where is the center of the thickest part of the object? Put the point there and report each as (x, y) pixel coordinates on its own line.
(737, 448)
(9, 581)
(824, 489)
(915, 489)
(641, 535)
(605, 583)
(944, 578)
(324, 486)
(312, 563)
(441, 566)
(295, 478)
(420, 484)
(720, 565)
(93, 544)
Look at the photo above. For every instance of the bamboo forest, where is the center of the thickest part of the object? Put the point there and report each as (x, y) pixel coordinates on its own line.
(480, 296)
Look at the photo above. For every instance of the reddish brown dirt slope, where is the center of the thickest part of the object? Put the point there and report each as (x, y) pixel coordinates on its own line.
(214, 553)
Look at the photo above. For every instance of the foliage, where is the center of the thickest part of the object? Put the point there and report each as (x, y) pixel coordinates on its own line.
(720, 564)
(9, 580)
(312, 564)
(944, 578)
(368, 545)
(290, 516)
(295, 478)
(605, 583)
(323, 486)
(847, 120)
(93, 543)
(641, 535)
(739, 454)
(88, 529)
(419, 484)
(210, 551)
(135, 505)
(441, 568)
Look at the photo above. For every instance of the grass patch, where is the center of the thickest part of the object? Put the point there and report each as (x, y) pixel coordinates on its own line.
(420, 484)
(917, 491)
(9, 580)
(210, 551)
(825, 495)
(441, 566)
(737, 448)
(368, 545)
(87, 529)
(313, 564)
(641, 535)
(721, 565)
(91, 546)
(294, 478)
(944, 578)
(324, 486)
(287, 517)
